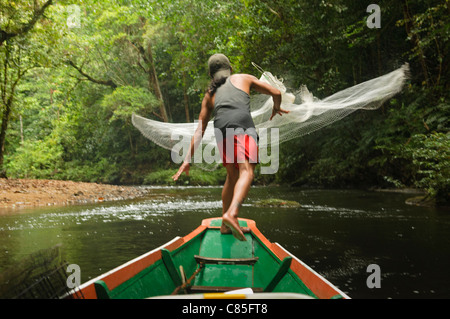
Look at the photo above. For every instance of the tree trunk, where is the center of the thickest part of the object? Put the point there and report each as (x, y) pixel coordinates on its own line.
(186, 98)
(154, 80)
(185, 95)
(409, 23)
(21, 129)
(7, 90)
(5, 119)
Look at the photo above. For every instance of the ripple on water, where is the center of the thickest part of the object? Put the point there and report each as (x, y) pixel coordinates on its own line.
(135, 211)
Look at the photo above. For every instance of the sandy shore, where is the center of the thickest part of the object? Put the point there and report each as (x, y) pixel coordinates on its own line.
(17, 193)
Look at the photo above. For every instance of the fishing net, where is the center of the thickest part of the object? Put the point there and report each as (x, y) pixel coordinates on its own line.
(307, 113)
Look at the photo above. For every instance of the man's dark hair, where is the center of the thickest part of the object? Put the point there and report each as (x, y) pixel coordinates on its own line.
(215, 84)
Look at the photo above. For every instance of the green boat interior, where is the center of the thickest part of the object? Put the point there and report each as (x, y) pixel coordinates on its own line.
(211, 263)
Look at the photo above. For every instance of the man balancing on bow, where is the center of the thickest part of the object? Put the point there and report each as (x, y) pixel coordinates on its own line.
(228, 99)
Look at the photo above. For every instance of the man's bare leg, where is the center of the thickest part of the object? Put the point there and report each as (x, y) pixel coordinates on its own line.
(227, 196)
(227, 193)
(241, 189)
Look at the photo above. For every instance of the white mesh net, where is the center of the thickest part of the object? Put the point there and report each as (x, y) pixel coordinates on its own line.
(307, 113)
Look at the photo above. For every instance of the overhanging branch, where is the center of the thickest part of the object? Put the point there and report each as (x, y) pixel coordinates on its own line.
(109, 83)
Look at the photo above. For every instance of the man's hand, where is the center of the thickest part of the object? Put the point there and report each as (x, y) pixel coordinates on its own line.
(183, 168)
(278, 111)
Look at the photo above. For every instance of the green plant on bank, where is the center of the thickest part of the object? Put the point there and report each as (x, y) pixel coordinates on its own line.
(36, 159)
(430, 155)
(427, 159)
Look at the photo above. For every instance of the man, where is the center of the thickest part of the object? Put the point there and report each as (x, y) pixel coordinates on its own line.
(228, 99)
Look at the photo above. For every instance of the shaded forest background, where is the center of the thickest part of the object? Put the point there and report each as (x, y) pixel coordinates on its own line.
(73, 72)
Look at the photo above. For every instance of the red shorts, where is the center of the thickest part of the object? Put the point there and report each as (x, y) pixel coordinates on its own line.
(244, 147)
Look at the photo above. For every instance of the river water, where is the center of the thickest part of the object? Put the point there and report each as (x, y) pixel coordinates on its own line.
(339, 233)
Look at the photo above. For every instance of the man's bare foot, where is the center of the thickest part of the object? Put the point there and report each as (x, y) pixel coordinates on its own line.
(233, 223)
(225, 230)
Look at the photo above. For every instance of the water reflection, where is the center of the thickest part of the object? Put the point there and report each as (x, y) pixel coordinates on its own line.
(338, 233)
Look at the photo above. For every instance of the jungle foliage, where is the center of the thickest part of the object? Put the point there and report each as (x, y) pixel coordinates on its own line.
(73, 72)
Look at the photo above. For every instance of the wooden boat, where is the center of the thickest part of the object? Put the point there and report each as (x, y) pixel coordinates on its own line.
(208, 264)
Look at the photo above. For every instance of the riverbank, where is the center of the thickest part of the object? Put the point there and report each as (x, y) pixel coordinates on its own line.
(18, 193)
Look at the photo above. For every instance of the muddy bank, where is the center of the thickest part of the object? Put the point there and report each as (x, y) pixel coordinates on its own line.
(16, 193)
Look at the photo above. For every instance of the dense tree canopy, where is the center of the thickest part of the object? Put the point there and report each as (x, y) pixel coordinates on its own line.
(73, 72)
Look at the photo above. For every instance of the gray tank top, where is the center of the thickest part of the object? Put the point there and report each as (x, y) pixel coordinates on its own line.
(232, 110)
